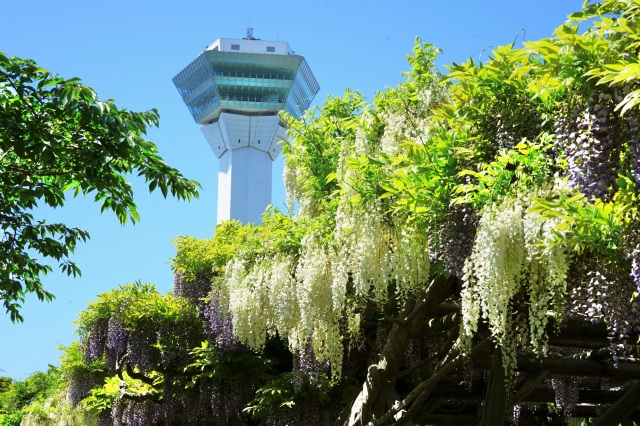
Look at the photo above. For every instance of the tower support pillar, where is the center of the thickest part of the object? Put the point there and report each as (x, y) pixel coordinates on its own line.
(246, 147)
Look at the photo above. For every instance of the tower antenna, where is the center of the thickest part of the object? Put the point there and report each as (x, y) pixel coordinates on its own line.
(249, 31)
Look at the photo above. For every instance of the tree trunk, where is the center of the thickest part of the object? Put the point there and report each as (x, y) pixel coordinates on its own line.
(373, 400)
(496, 399)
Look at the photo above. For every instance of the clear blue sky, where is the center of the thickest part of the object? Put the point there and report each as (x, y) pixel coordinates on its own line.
(130, 50)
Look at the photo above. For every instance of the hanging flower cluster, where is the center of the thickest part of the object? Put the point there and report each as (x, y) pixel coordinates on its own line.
(362, 253)
(363, 249)
(318, 319)
(514, 250)
(493, 272)
(294, 300)
(245, 294)
(547, 281)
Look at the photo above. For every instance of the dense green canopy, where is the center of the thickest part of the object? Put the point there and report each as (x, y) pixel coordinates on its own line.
(56, 137)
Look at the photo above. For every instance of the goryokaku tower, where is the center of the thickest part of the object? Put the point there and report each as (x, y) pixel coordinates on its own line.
(235, 89)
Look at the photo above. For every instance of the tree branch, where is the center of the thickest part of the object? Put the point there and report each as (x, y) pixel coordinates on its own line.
(139, 376)
(496, 397)
(621, 409)
(529, 385)
(384, 373)
(420, 393)
(451, 339)
(141, 397)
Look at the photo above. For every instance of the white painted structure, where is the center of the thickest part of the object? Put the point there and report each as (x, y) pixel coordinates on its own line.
(235, 90)
(253, 45)
(246, 147)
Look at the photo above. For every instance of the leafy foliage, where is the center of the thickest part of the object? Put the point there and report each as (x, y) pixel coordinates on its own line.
(22, 397)
(57, 136)
(468, 216)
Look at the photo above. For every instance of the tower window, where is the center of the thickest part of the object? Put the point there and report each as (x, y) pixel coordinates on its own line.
(235, 47)
(271, 49)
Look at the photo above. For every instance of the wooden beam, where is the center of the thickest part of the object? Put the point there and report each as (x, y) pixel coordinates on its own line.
(629, 370)
(531, 383)
(622, 408)
(582, 367)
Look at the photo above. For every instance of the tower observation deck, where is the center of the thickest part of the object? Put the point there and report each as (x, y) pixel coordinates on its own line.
(235, 90)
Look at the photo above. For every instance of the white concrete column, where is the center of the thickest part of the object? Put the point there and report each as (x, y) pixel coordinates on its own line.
(246, 147)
